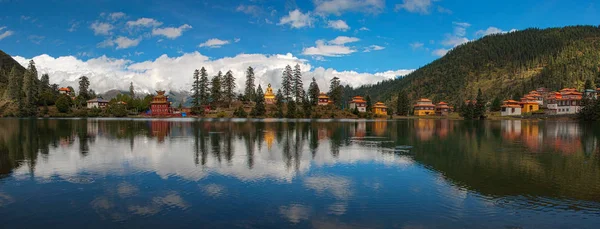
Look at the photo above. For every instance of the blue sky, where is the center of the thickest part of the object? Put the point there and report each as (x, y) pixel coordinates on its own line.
(373, 36)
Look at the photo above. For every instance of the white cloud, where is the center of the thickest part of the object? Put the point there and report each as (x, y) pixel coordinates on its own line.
(338, 24)
(74, 26)
(334, 47)
(364, 29)
(373, 48)
(171, 32)
(491, 30)
(106, 43)
(214, 43)
(444, 10)
(343, 40)
(5, 34)
(452, 40)
(297, 19)
(416, 45)
(124, 42)
(101, 28)
(116, 15)
(337, 7)
(440, 52)
(460, 28)
(36, 39)
(236, 40)
(144, 22)
(415, 6)
(249, 9)
(172, 73)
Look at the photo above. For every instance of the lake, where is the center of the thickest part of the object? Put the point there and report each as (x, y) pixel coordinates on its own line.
(186, 173)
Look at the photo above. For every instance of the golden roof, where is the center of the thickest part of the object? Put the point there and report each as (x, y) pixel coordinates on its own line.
(323, 96)
(379, 105)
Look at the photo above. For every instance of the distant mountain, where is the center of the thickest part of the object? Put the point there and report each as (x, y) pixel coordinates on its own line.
(502, 65)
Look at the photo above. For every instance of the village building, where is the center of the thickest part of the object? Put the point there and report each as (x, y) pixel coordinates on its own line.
(359, 103)
(323, 100)
(64, 91)
(442, 109)
(530, 104)
(511, 108)
(424, 107)
(97, 103)
(535, 96)
(566, 101)
(160, 104)
(380, 109)
(269, 96)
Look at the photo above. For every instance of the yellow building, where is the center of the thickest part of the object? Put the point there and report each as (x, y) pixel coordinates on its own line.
(380, 109)
(323, 100)
(424, 107)
(269, 96)
(529, 104)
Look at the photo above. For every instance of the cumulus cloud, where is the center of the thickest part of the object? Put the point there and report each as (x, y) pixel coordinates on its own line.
(214, 43)
(171, 32)
(338, 25)
(296, 19)
(415, 6)
(416, 45)
(373, 48)
(249, 9)
(173, 73)
(453, 40)
(101, 28)
(124, 42)
(491, 30)
(460, 28)
(6, 33)
(335, 47)
(144, 22)
(337, 7)
(439, 52)
(116, 15)
(74, 26)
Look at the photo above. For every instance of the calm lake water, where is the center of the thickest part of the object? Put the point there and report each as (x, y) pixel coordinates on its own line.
(183, 173)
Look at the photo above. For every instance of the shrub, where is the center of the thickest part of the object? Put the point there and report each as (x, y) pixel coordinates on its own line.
(63, 104)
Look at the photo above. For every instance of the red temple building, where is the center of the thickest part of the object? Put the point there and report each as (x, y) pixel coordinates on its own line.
(160, 105)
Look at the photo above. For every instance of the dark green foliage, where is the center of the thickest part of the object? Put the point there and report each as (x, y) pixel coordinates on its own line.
(30, 88)
(63, 104)
(589, 84)
(298, 87)
(84, 85)
(259, 109)
(502, 65)
(287, 83)
(118, 110)
(496, 104)
(336, 91)
(313, 92)
(215, 90)
(250, 92)
(15, 82)
(306, 106)
(228, 85)
(279, 104)
(196, 89)
(240, 112)
(291, 109)
(403, 104)
(369, 103)
(480, 106)
(355, 111)
(590, 110)
(467, 110)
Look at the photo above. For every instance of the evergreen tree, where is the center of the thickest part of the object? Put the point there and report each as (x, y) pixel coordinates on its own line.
(496, 104)
(63, 104)
(467, 110)
(203, 87)
(259, 108)
(279, 100)
(14, 84)
(306, 106)
(250, 92)
(84, 85)
(131, 90)
(215, 90)
(30, 87)
(313, 91)
(229, 87)
(196, 90)
(403, 107)
(291, 109)
(336, 91)
(298, 87)
(480, 106)
(589, 85)
(369, 103)
(286, 84)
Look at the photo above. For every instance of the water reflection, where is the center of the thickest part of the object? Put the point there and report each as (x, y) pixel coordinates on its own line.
(456, 170)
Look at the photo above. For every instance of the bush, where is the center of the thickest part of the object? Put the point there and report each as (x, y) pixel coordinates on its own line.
(80, 113)
(221, 114)
(241, 113)
(63, 104)
(94, 112)
(118, 110)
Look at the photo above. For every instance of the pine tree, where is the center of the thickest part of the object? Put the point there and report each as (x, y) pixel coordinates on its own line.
(496, 104)
(291, 109)
(203, 87)
(30, 87)
(249, 91)
(480, 106)
(14, 84)
(84, 84)
(229, 87)
(196, 90)
(589, 84)
(215, 90)
(403, 106)
(298, 87)
(131, 90)
(259, 108)
(286, 84)
(336, 91)
(279, 103)
(306, 106)
(369, 103)
(313, 91)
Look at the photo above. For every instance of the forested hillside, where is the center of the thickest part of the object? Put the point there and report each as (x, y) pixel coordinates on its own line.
(502, 65)
(6, 64)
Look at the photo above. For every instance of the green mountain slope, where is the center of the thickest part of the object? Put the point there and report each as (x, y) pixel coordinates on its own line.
(6, 64)
(502, 65)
